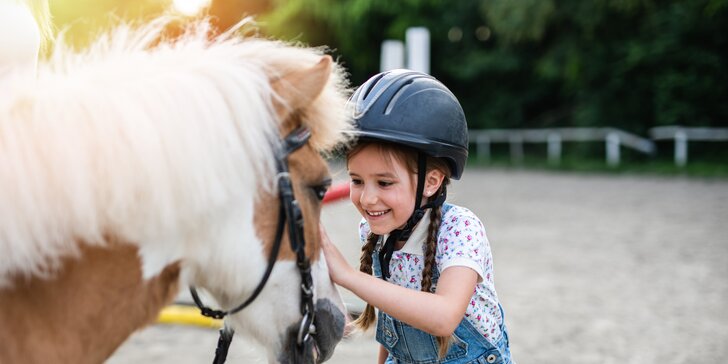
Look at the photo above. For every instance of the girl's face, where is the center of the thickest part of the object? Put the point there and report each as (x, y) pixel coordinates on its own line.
(382, 189)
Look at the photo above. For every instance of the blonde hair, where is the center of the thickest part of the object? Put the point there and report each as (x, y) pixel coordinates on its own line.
(408, 157)
(94, 121)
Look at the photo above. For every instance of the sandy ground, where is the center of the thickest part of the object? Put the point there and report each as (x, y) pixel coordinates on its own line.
(589, 268)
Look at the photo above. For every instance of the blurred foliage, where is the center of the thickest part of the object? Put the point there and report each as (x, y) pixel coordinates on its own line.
(80, 21)
(632, 64)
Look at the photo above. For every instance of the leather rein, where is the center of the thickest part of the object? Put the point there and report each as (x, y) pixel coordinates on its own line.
(289, 216)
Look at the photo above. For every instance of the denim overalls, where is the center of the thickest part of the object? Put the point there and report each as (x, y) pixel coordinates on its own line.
(408, 345)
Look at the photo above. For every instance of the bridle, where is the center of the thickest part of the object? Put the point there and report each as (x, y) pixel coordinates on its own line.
(289, 216)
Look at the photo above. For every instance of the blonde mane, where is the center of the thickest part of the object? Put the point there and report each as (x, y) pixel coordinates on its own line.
(42, 13)
(142, 139)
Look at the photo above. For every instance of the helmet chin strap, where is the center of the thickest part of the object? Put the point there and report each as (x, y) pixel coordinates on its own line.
(385, 255)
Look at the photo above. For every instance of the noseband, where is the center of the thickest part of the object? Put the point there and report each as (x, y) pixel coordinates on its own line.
(289, 216)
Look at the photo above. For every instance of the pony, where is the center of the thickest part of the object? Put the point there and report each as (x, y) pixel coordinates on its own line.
(142, 164)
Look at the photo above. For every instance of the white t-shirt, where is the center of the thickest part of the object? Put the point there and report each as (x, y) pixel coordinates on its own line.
(461, 242)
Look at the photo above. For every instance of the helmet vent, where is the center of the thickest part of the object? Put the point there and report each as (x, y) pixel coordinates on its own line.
(393, 100)
(371, 86)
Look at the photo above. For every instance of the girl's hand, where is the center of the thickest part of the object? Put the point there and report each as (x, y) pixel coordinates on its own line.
(339, 268)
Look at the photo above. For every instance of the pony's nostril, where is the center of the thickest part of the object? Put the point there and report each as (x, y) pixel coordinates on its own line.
(325, 332)
(329, 322)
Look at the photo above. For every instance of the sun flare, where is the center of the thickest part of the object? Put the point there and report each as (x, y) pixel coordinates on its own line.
(190, 7)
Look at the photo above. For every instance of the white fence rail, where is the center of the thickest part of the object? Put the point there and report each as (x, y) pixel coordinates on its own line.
(681, 136)
(613, 139)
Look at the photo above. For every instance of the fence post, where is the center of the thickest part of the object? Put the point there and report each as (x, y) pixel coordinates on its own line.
(392, 55)
(418, 49)
(681, 148)
(482, 143)
(612, 149)
(516, 141)
(554, 148)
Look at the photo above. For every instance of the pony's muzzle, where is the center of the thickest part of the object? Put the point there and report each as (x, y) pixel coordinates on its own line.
(329, 324)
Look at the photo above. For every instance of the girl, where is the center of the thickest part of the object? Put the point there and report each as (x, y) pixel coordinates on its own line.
(425, 264)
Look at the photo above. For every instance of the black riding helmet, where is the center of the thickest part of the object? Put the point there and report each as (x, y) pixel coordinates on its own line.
(416, 110)
(413, 109)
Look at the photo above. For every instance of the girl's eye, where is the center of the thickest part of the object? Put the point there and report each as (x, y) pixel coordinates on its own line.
(385, 183)
(356, 181)
(320, 190)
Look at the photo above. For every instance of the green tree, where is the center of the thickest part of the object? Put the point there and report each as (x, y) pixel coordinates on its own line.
(539, 63)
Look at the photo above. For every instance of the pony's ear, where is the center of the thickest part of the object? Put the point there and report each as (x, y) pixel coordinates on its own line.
(300, 88)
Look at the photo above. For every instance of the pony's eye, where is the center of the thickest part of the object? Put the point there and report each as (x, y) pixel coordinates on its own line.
(320, 190)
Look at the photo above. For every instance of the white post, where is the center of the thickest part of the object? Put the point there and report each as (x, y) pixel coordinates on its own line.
(392, 55)
(418, 49)
(483, 145)
(681, 148)
(613, 149)
(516, 142)
(554, 148)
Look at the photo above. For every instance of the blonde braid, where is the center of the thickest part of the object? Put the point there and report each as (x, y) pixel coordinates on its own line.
(368, 317)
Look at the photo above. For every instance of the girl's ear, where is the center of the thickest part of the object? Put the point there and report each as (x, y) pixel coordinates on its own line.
(433, 180)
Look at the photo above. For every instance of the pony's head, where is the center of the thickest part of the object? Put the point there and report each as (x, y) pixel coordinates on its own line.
(307, 98)
(175, 146)
(301, 103)
(308, 105)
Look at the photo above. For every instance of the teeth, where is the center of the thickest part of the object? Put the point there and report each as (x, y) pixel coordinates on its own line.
(377, 213)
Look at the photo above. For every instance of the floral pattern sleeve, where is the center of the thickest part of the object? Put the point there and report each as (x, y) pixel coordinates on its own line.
(363, 231)
(462, 242)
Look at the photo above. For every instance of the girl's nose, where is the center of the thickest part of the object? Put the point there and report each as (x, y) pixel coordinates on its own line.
(368, 196)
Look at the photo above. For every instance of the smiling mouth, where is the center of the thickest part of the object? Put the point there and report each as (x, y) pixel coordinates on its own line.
(377, 213)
